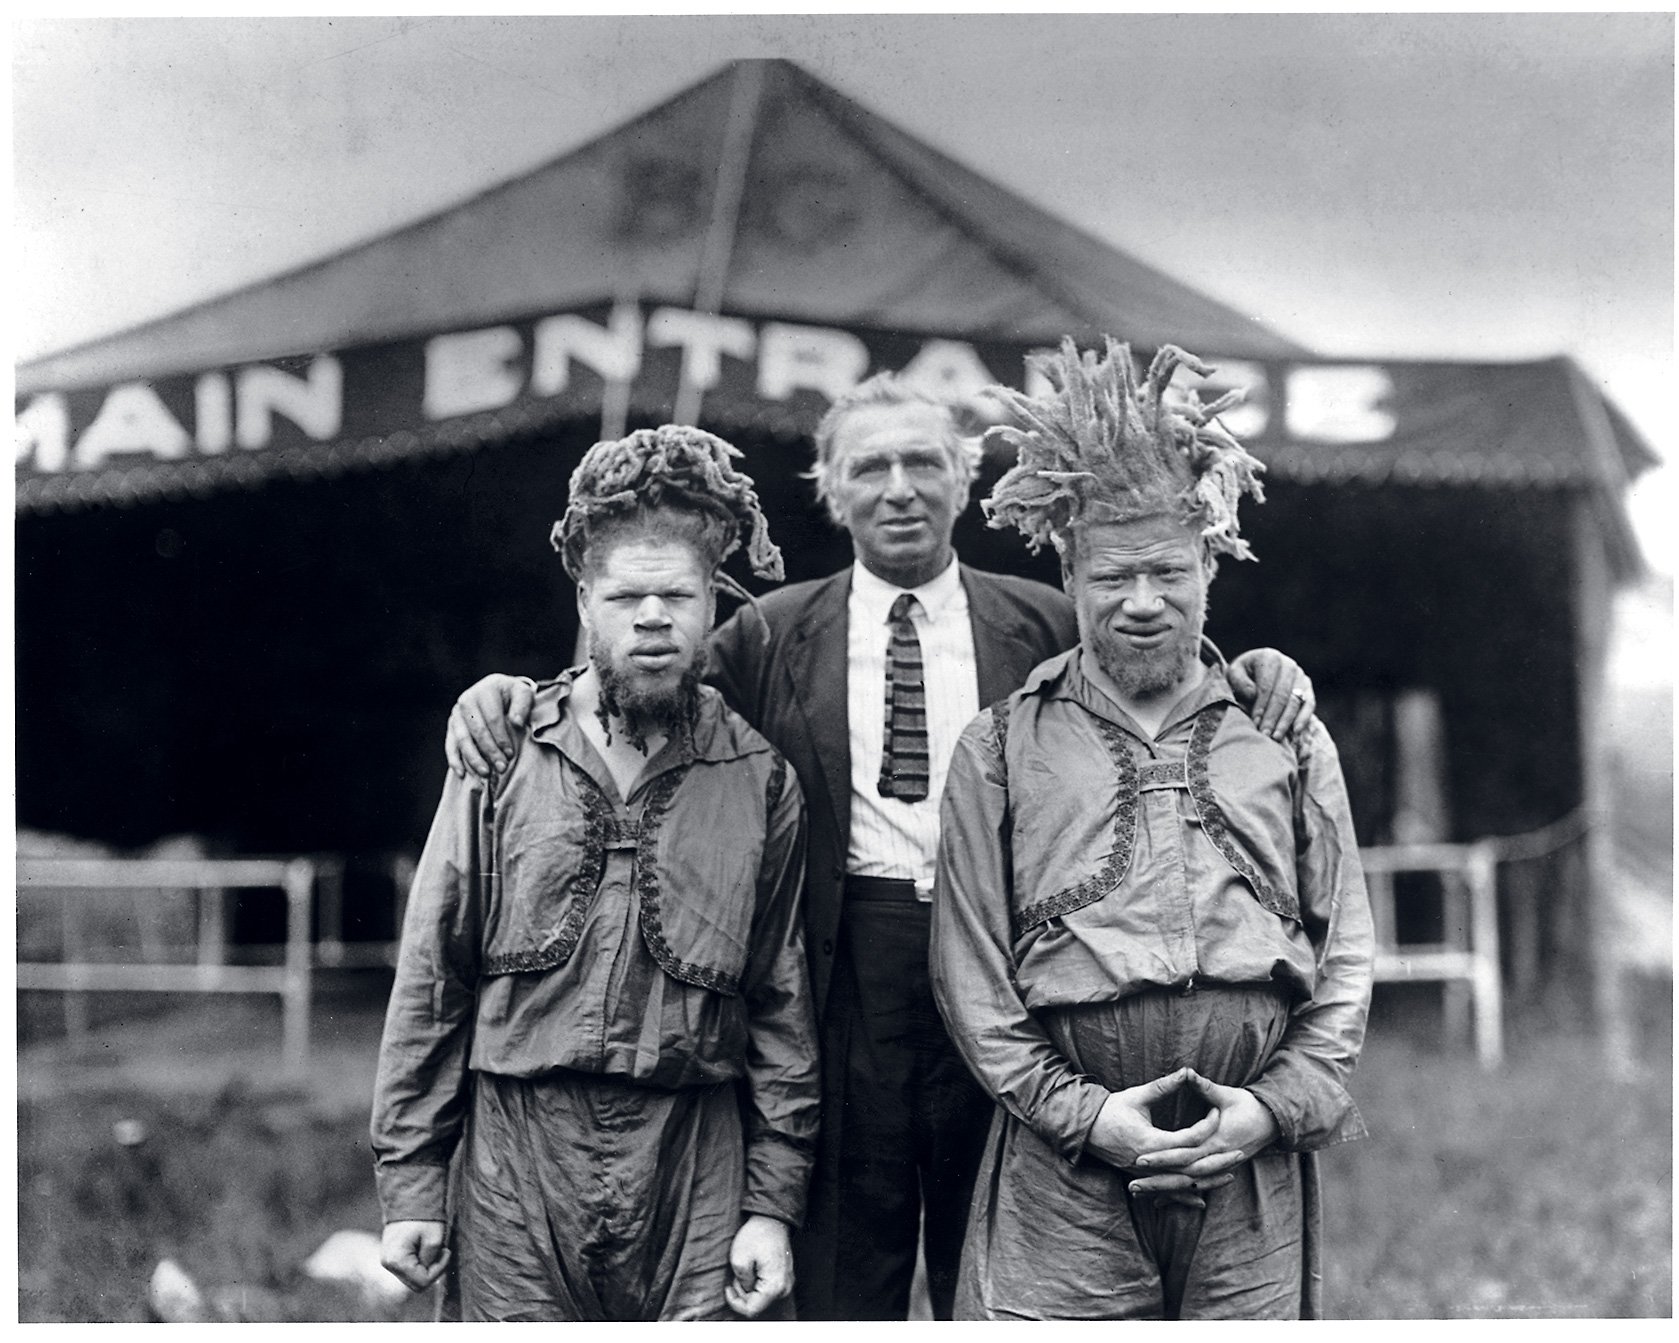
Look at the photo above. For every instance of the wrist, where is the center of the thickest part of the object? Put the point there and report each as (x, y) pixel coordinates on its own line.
(769, 1218)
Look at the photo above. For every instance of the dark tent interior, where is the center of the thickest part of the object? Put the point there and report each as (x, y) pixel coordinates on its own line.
(271, 668)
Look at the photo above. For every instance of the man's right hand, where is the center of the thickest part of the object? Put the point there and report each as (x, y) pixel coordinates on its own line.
(414, 1251)
(484, 722)
(1123, 1130)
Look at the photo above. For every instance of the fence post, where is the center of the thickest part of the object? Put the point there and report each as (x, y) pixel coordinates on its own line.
(300, 889)
(1482, 872)
(75, 1001)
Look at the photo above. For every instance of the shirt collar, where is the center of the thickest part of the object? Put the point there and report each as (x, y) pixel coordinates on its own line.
(873, 596)
(715, 736)
(1062, 678)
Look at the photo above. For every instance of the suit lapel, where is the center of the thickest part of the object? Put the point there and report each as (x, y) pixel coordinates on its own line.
(1002, 640)
(817, 666)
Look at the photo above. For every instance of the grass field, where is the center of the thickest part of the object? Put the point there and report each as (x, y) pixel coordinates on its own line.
(1541, 1190)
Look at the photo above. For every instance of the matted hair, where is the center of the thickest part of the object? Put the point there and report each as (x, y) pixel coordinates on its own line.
(1102, 447)
(891, 390)
(671, 481)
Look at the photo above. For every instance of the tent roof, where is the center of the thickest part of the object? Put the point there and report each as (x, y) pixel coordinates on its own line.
(764, 194)
(760, 189)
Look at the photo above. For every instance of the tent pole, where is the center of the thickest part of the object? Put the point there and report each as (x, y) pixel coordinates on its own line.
(615, 395)
(725, 215)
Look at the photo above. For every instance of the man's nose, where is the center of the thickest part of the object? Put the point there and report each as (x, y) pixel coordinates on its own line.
(897, 482)
(651, 613)
(1143, 596)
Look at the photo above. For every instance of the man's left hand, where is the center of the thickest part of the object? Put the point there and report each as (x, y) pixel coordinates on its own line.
(761, 1266)
(1275, 691)
(1245, 1128)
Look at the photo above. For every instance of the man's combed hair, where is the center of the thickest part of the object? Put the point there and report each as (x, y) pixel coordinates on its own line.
(620, 483)
(1100, 447)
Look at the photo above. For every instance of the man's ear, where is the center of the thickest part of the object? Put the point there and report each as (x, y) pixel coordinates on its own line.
(583, 603)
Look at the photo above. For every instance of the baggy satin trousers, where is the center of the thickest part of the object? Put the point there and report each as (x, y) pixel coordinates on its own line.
(1052, 1239)
(579, 1197)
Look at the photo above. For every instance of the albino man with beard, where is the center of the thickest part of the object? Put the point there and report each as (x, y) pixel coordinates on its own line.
(1151, 939)
(602, 1012)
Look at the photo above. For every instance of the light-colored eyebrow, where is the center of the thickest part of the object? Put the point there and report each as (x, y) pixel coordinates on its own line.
(632, 587)
(1106, 566)
(897, 454)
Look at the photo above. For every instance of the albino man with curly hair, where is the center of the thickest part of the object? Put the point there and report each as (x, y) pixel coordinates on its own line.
(1151, 940)
(597, 1090)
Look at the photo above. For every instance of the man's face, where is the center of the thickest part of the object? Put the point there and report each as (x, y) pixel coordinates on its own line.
(1140, 589)
(647, 606)
(897, 489)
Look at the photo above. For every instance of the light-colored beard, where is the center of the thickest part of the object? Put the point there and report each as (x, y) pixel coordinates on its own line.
(661, 710)
(1142, 673)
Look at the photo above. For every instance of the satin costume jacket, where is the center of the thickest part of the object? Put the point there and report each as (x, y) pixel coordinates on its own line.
(1082, 861)
(511, 874)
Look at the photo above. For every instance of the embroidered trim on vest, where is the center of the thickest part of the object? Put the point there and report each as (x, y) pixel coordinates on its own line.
(1108, 876)
(598, 828)
(1162, 774)
(1280, 903)
(646, 880)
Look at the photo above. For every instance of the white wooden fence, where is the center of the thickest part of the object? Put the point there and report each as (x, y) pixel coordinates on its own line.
(1465, 959)
(207, 879)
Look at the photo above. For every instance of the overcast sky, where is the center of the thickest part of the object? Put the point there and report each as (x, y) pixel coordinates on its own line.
(1479, 187)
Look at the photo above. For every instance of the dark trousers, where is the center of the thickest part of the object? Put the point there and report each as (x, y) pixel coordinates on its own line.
(903, 1128)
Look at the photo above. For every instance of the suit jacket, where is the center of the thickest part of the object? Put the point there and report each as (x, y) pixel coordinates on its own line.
(783, 668)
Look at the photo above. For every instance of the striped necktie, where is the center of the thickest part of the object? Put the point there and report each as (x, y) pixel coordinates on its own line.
(903, 764)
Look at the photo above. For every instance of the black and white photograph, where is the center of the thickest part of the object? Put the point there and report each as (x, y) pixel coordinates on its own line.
(843, 667)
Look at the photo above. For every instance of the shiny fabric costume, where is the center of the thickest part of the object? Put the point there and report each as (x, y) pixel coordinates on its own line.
(1111, 906)
(604, 1004)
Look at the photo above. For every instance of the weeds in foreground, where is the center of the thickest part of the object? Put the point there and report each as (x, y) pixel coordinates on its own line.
(1542, 1190)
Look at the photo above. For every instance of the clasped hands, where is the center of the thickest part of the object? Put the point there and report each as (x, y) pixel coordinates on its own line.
(1181, 1164)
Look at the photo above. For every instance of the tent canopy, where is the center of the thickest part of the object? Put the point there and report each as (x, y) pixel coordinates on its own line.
(739, 254)
(762, 184)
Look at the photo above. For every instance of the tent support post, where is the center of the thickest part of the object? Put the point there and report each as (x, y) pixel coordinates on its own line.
(725, 216)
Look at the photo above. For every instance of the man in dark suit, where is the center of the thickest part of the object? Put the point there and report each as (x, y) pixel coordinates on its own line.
(863, 681)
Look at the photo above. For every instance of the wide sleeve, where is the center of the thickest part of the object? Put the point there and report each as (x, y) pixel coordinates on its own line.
(972, 956)
(421, 1090)
(782, 1076)
(1305, 1084)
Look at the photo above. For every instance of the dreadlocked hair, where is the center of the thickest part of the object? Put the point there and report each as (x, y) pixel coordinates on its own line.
(1102, 448)
(623, 484)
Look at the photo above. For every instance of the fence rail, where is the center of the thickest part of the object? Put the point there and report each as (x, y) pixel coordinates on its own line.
(208, 879)
(1466, 959)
